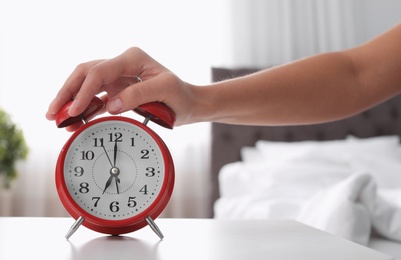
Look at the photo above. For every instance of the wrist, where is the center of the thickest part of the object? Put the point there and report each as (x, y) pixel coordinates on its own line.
(209, 104)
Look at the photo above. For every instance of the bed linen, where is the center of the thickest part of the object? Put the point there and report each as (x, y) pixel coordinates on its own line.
(350, 188)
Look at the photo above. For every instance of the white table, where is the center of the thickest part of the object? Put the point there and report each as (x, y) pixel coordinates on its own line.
(206, 239)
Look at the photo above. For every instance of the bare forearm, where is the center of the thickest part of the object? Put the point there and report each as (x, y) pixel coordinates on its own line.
(318, 89)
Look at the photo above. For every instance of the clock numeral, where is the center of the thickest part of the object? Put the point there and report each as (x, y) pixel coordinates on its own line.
(150, 172)
(84, 187)
(144, 190)
(118, 137)
(114, 206)
(79, 171)
(132, 141)
(145, 154)
(98, 142)
(88, 155)
(131, 202)
(96, 199)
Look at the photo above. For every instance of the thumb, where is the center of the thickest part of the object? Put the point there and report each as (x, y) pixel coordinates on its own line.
(154, 89)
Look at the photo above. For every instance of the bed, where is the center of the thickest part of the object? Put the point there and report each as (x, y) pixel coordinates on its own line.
(343, 177)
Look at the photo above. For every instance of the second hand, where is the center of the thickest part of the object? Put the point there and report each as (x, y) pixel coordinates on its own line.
(107, 156)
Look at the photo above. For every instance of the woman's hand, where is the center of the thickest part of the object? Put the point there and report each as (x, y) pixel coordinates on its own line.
(117, 77)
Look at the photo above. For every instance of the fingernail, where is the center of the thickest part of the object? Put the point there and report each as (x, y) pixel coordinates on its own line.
(71, 108)
(114, 105)
(53, 104)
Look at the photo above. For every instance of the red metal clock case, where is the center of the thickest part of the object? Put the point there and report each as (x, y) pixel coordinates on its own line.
(116, 227)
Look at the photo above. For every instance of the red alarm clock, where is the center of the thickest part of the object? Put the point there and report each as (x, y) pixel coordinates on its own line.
(115, 175)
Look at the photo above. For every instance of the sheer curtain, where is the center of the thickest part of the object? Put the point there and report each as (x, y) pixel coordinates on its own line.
(270, 32)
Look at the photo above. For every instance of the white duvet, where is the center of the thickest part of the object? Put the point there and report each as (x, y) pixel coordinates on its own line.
(349, 188)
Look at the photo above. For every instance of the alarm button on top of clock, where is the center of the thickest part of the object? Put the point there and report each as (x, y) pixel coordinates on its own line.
(157, 112)
(63, 119)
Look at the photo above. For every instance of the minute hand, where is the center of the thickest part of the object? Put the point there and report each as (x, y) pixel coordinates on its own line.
(115, 153)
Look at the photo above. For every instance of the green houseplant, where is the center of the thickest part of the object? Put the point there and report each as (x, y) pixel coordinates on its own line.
(12, 148)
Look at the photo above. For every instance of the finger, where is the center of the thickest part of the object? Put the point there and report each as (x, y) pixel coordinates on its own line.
(96, 78)
(91, 78)
(154, 89)
(69, 89)
(76, 126)
(103, 74)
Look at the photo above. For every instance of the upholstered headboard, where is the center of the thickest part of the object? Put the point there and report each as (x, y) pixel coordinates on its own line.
(227, 140)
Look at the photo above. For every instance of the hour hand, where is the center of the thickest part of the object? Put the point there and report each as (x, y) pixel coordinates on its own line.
(108, 183)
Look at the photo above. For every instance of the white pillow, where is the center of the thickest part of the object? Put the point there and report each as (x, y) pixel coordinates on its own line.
(380, 156)
(252, 155)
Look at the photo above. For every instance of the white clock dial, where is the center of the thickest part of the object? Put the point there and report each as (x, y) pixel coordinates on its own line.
(114, 170)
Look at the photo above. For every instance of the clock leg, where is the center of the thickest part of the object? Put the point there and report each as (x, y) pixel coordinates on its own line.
(74, 227)
(154, 227)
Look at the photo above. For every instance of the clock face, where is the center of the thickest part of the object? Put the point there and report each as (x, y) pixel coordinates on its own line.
(113, 169)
